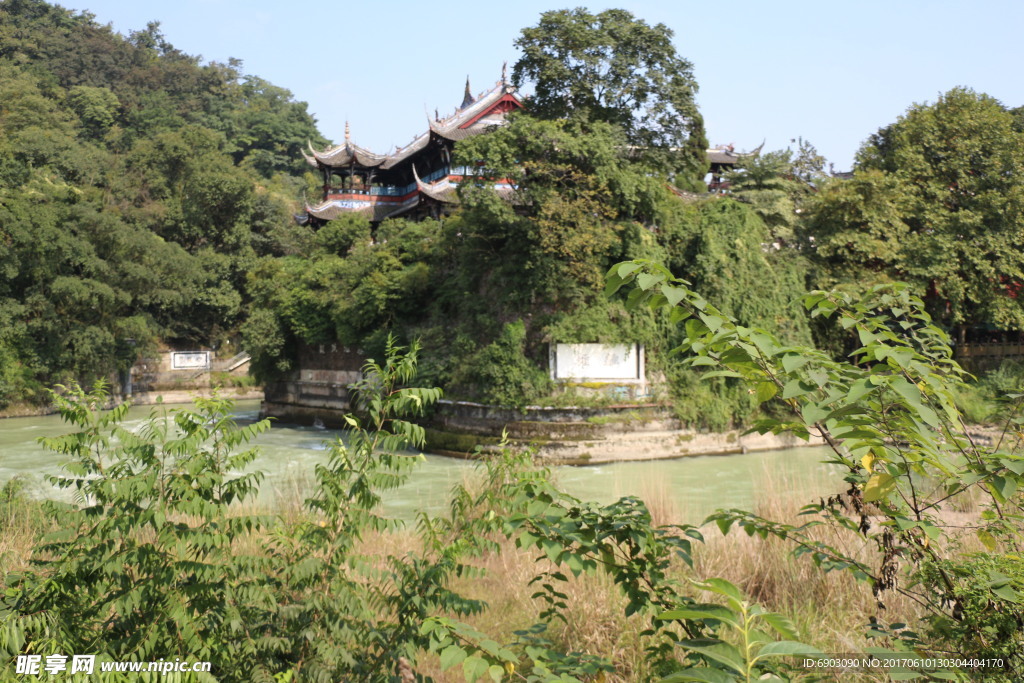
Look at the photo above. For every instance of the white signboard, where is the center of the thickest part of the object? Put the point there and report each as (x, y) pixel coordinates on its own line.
(597, 362)
(190, 360)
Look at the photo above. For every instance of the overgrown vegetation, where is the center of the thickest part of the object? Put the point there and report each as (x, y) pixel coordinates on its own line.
(492, 285)
(138, 188)
(982, 401)
(155, 563)
(891, 421)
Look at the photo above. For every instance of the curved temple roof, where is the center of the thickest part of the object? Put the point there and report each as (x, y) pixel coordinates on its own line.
(375, 212)
(726, 155)
(344, 155)
(441, 191)
(473, 118)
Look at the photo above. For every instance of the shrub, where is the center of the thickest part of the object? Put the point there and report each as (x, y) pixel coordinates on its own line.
(146, 566)
(501, 374)
(983, 402)
(891, 421)
(156, 564)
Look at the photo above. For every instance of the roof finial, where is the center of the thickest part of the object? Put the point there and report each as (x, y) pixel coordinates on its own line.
(504, 72)
(467, 98)
(348, 134)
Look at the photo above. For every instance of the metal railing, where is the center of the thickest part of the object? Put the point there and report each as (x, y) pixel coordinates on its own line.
(229, 364)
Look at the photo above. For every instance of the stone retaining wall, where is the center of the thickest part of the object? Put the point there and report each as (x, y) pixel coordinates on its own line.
(143, 398)
(561, 435)
(587, 435)
(320, 399)
(157, 374)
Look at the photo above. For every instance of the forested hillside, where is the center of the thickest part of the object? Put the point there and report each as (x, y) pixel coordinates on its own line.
(596, 167)
(487, 288)
(146, 197)
(138, 186)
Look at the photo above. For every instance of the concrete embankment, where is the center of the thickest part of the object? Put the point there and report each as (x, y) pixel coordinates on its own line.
(144, 398)
(560, 435)
(584, 436)
(169, 376)
(186, 395)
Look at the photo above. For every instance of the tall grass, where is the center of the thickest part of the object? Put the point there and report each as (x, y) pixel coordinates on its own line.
(830, 609)
(22, 522)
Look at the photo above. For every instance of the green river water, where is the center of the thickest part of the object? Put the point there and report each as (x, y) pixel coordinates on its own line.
(692, 487)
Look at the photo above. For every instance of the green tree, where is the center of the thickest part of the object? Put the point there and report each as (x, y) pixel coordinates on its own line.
(575, 188)
(615, 68)
(944, 198)
(695, 159)
(778, 185)
(96, 107)
(858, 229)
(129, 577)
(1018, 119)
(766, 184)
(270, 129)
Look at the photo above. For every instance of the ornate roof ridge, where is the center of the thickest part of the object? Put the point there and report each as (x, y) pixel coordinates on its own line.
(403, 153)
(311, 160)
(499, 89)
(730, 149)
(727, 154)
(345, 153)
(449, 128)
(442, 190)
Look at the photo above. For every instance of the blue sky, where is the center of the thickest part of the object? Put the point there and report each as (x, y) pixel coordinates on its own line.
(830, 72)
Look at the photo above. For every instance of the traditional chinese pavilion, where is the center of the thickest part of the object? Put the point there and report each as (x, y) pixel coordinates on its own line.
(723, 159)
(416, 180)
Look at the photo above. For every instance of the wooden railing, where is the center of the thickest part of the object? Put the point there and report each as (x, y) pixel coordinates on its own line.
(991, 350)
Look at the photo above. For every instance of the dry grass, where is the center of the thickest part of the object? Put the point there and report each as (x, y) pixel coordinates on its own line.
(22, 524)
(595, 623)
(830, 609)
(19, 537)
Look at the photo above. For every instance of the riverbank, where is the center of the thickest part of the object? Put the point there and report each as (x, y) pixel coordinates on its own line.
(559, 435)
(831, 610)
(143, 398)
(588, 436)
(289, 454)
